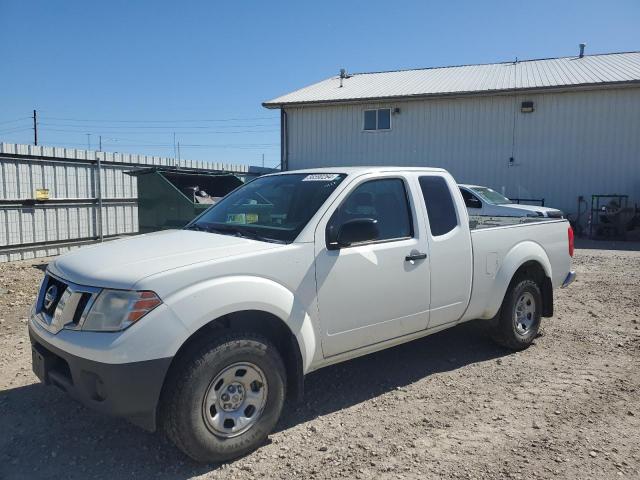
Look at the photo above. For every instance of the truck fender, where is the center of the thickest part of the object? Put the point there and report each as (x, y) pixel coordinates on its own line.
(518, 255)
(201, 303)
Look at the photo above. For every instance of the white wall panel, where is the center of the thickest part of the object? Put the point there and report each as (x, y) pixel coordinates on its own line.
(573, 144)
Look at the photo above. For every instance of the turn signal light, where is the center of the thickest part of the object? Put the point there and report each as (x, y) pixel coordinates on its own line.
(147, 302)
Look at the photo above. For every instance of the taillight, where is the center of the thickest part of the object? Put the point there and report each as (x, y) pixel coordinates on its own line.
(570, 235)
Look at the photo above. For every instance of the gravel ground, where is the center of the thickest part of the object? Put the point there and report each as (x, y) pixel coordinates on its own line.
(448, 406)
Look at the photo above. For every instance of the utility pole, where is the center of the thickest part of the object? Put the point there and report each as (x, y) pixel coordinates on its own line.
(178, 151)
(98, 188)
(100, 142)
(263, 160)
(35, 127)
(174, 145)
(88, 141)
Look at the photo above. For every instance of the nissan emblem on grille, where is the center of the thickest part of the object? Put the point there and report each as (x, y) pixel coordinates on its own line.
(50, 297)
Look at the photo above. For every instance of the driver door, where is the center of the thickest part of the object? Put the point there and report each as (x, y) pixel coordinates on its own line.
(379, 289)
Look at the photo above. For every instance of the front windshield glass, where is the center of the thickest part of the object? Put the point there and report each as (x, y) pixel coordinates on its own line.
(272, 208)
(491, 196)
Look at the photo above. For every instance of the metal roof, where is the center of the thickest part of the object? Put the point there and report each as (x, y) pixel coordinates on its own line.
(590, 70)
(359, 170)
(179, 171)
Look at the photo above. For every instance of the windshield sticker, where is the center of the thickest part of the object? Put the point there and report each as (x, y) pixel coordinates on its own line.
(321, 177)
(236, 218)
(252, 218)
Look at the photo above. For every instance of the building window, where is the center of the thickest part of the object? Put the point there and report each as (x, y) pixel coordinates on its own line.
(379, 119)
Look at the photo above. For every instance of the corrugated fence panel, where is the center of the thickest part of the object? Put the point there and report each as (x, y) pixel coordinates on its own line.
(70, 174)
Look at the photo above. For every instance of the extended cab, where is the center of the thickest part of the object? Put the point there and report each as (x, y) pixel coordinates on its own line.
(204, 331)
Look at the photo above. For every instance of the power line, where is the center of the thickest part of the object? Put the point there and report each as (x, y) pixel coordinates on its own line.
(84, 125)
(15, 130)
(211, 132)
(160, 121)
(151, 127)
(15, 120)
(194, 145)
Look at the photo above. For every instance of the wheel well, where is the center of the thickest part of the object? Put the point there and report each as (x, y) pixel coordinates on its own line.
(534, 271)
(263, 323)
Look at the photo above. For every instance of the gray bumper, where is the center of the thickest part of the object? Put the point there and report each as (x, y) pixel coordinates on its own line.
(129, 390)
(571, 276)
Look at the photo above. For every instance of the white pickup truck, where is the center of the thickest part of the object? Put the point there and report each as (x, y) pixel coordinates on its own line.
(205, 331)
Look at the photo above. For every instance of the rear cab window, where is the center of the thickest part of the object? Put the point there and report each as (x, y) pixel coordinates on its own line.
(440, 205)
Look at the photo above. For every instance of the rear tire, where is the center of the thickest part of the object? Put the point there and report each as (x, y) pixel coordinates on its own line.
(519, 316)
(224, 397)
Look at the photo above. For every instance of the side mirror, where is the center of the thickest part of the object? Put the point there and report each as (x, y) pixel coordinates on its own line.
(473, 202)
(353, 231)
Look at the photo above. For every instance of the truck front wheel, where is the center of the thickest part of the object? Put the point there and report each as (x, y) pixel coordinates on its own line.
(519, 317)
(224, 397)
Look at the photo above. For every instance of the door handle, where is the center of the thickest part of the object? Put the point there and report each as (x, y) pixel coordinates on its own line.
(415, 256)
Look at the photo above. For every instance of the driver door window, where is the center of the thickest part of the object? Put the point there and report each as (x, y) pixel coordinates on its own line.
(382, 200)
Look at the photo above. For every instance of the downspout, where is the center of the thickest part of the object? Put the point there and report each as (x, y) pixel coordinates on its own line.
(284, 140)
(512, 160)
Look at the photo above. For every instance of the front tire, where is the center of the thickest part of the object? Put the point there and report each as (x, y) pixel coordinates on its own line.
(520, 315)
(224, 397)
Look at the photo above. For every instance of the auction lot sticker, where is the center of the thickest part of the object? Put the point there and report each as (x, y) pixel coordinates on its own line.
(320, 177)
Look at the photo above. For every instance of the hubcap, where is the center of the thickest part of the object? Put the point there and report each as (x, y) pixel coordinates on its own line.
(235, 399)
(525, 313)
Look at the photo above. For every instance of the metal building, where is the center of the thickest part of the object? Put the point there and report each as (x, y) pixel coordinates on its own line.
(557, 129)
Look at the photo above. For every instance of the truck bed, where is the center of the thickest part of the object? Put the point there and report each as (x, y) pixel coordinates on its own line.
(500, 245)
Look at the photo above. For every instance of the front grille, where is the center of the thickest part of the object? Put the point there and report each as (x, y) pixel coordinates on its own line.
(85, 298)
(63, 304)
(49, 305)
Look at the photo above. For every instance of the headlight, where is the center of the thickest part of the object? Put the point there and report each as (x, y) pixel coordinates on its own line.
(116, 310)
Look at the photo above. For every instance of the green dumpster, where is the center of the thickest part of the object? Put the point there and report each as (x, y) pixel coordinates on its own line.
(171, 198)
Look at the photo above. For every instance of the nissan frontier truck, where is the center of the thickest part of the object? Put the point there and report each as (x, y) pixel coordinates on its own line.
(205, 331)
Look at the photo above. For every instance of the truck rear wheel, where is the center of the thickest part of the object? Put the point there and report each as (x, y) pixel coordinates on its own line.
(224, 397)
(519, 316)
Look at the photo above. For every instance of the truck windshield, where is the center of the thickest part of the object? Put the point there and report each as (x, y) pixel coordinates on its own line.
(273, 208)
(491, 196)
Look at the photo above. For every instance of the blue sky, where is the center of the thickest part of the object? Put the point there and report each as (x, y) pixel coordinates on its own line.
(137, 71)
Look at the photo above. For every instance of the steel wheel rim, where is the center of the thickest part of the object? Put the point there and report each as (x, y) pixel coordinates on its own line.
(235, 399)
(524, 315)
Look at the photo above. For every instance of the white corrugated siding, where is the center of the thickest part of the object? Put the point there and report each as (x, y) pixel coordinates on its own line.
(578, 143)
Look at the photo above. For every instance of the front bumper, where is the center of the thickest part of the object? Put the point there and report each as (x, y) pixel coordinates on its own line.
(571, 276)
(129, 390)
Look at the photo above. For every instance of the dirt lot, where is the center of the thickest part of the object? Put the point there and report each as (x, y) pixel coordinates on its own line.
(449, 406)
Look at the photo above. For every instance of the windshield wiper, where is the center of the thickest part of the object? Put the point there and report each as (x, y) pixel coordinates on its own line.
(197, 227)
(225, 229)
(252, 234)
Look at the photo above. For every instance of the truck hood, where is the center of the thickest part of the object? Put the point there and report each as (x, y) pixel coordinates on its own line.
(123, 263)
